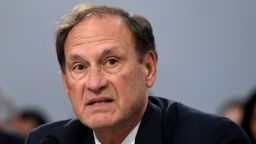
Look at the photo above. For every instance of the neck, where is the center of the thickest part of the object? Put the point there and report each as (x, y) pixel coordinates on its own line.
(116, 135)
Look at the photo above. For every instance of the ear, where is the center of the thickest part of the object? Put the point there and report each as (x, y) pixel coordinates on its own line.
(65, 83)
(150, 63)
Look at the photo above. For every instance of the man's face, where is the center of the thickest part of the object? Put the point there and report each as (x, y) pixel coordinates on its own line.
(104, 80)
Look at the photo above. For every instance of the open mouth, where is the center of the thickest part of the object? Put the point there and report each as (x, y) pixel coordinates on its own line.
(99, 101)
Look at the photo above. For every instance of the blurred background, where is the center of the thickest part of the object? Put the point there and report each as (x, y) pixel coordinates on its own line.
(206, 51)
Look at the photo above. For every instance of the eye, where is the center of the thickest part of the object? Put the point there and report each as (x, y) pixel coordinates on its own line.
(113, 65)
(111, 62)
(78, 70)
(78, 67)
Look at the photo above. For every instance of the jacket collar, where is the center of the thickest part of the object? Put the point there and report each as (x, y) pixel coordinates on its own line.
(150, 130)
(77, 133)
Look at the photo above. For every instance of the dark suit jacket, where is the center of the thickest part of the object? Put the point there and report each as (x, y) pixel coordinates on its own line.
(164, 122)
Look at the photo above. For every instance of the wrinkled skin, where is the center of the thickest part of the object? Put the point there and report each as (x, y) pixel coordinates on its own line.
(104, 80)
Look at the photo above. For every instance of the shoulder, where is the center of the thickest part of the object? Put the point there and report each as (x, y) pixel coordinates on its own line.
(51, 128)
(65, 130)
(199, 126)
(178, 110)
(179, 113)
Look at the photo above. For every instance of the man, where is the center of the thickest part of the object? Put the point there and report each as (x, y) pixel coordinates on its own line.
(233, 110)
(6, 112)
(27, 119)
(108, 62)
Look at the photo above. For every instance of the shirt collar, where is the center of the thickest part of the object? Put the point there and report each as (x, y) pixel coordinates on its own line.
(130, 139)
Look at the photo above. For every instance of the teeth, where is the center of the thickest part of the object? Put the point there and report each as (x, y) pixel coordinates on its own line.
(100, 102)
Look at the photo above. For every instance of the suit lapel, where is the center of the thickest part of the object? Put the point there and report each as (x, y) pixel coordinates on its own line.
(150, 130)
(77, 133)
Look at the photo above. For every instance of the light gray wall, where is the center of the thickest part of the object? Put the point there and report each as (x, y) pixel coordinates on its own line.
(206, 50)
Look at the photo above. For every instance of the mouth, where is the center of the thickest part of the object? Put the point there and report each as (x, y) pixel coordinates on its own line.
(98, 101)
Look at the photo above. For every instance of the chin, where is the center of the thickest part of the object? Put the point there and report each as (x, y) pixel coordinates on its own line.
(100, 122)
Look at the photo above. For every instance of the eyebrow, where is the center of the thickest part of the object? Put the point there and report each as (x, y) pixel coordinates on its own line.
(102, 54)
(75, 57)
(106, 52)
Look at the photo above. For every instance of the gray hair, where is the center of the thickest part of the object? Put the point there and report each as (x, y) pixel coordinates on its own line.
(138, 25)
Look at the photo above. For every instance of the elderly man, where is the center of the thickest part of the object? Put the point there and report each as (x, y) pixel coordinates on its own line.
(108, 61)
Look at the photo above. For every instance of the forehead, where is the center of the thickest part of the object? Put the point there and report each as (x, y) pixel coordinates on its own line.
(98, 26)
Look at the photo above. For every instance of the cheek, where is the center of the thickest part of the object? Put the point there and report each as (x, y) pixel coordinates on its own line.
(131, 95)
(130, 86)
(75, 91)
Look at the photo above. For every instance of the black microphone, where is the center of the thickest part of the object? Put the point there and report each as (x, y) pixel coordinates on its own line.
(49, 140)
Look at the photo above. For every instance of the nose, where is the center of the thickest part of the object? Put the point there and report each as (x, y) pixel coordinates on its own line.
(96, 81)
